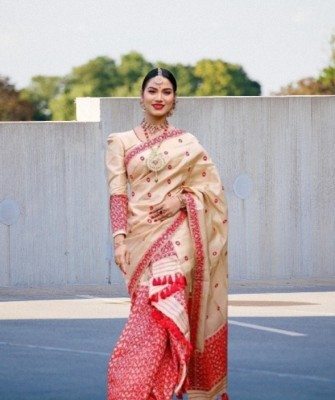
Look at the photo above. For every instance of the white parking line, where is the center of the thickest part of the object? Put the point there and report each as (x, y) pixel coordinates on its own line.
(62, 349)
(281, 374)
(49, 348)
(265, 328)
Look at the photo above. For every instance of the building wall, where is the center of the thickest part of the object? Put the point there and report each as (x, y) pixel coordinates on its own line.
(274, 154)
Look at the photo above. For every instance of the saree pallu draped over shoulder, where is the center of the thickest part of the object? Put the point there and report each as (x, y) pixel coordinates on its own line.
(175, 340)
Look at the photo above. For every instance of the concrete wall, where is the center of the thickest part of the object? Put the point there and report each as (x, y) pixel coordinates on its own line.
(275, 156)
(282, 148)
(54, 172)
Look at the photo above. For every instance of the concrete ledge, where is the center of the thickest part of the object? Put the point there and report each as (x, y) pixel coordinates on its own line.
(314, 303)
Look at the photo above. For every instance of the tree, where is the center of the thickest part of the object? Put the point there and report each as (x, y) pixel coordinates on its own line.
(184, 74)
(100, 77)
(240, 83)
(132, 69)
(305, 87)
(12, 107)
(40, 92)
(219, 78)
(213, 78)
(54, 97)
(97, 78)
(324, 84)
(327, 76)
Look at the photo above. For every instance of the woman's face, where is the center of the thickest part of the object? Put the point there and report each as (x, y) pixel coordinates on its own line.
(158, 98)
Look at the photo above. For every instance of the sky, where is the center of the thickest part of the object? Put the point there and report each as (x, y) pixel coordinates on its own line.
(276, 41)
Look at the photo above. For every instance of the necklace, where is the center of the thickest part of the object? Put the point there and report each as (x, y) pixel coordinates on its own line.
(155, 162)
(152, 128)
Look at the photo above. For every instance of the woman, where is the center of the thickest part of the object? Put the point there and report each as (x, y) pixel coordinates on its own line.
(169, 222)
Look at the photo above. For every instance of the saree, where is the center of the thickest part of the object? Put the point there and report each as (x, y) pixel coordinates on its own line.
(175, 340)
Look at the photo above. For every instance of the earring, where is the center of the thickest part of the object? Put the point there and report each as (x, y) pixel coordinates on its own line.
(142, 106)
(170, 113)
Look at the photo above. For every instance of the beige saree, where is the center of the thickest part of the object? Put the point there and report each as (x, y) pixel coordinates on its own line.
(175, 340)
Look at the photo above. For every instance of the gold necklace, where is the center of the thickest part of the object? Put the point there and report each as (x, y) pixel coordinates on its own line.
(155, 162)
(152, 128)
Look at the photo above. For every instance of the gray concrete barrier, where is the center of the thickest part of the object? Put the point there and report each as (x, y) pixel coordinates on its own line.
(275, 156)
(52, 176)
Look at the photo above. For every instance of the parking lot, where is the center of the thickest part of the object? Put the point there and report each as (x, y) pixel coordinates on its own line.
(55, 343)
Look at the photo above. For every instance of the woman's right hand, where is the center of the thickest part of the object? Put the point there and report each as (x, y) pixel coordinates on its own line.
(121, 254)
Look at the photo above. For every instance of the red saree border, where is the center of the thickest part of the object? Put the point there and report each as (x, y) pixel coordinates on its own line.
(147, 145)
(207, 367)
(199, 267)
(156, 246)
(210, 366)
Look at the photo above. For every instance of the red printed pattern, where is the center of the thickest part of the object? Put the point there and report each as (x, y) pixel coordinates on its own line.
(166, 251)
(118, 211)
(147, 145)
(210, 366)
(139, 368)
(148, 255)
(199, 265)
(207, 368)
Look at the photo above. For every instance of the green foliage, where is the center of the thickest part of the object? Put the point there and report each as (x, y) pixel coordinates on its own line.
(213, 76)
(97, 78)
(54, 97)
(324, 84)
(132, 69)
(12, 106)
(327, 76)
(39, 93)
(184, 74)
(218, 78)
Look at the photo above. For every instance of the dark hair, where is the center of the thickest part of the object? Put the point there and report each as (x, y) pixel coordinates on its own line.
(165, 72)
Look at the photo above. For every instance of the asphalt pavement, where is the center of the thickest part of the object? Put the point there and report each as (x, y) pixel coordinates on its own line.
(55, 342)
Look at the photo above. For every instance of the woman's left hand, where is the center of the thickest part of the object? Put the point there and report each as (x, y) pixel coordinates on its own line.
(166, 209)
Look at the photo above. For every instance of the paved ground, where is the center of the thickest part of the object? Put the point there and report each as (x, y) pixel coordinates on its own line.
(55, 343)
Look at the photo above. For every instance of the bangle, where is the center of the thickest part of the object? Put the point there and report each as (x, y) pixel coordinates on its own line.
(182, 200)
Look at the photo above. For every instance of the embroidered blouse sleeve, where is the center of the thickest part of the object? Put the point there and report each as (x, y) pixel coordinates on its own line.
(117, 184)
